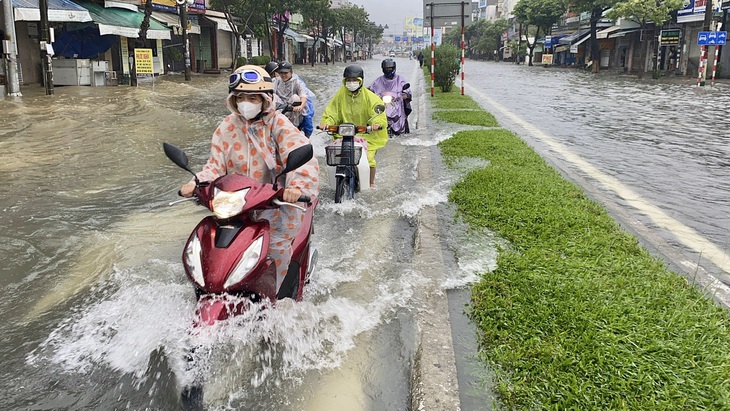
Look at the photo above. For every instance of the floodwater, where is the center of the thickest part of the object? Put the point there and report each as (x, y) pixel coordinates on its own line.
(659, 150)
(98, 311)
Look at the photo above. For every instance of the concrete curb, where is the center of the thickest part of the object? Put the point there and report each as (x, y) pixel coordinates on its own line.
(434, 380)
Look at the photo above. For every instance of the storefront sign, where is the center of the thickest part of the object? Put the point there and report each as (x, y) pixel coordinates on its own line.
(143, 61)
(670, 37)
(547, 59)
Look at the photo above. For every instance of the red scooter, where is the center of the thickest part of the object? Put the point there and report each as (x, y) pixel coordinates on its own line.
(226, 255)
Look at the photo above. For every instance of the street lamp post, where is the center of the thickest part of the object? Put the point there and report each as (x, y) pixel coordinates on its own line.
(183, 4)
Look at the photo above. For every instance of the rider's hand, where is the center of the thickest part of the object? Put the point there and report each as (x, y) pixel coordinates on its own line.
(406, 96)
(322, 126)
(291, 195)
(187, 189)
(298, 108)
(376, 127)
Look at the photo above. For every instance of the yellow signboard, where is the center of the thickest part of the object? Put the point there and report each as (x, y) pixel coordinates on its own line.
(547, 59)
(143, 61)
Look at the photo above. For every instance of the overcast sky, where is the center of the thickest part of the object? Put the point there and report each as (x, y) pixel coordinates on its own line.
(391, 12)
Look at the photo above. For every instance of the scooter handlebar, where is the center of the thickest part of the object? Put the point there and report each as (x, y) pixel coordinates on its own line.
(304, 199)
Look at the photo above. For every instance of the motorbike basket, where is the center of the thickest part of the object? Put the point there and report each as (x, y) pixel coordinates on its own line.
(343, 156)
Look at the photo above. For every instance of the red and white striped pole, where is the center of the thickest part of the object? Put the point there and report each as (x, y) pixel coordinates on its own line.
(714, 65)
(433, 47)
(463, 43)
(702, 63)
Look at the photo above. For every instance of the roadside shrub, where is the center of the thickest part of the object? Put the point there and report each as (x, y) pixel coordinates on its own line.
(446, 66)
(260, 60)
(241, 61)
(172, 54)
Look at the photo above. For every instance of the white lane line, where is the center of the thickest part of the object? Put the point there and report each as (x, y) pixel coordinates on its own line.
(686, 235)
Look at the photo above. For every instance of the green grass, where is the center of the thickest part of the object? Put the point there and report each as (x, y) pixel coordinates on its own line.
(578, 315)
(468, 117)
(454, 101)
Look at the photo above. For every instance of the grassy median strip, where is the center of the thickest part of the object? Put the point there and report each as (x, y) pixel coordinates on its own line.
(578, 315)
(468, 117)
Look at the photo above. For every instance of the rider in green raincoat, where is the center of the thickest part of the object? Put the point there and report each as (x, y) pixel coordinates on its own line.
(355, 104)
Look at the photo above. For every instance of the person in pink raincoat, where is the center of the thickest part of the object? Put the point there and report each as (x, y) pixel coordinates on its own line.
(255, 140)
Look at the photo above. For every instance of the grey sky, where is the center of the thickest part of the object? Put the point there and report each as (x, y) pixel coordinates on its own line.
(391, 12)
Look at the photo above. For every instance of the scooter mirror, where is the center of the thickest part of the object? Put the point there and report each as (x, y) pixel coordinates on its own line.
(176, 155)
(297, 158)
(406, 86)
(379, 108)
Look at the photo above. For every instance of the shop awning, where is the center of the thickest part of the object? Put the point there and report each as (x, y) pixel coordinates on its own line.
(585, 38)
(220, 23)
(621, 33)
(603, 34)
(122, 22)
(299, 38)
(574, 36)
(334, 43)
(173, 20)
(58, 10)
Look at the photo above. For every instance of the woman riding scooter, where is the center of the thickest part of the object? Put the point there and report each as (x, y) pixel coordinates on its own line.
(393, 84)
(255, 140)
(354, 104)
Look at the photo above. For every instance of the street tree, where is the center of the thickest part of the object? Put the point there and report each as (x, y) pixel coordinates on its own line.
(140, 41)
(253, 20)
(318, 20)
(279, 12)
(596, 8)
(352, 19)
(645, 13)
(541, 14)
(490, 36)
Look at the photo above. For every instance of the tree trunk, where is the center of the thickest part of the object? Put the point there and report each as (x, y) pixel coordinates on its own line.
(140, 41)
(344, 46)
(595, 49)
(642, 68)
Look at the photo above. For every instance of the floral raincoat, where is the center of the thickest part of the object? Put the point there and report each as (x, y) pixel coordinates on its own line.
(259, 148)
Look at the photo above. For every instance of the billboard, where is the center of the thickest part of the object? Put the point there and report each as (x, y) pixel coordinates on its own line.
(694, 10)
(413, 24)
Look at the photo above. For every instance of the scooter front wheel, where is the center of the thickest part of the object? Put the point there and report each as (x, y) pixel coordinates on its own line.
(340, 184)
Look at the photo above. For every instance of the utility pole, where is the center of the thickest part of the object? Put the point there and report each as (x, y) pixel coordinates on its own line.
(708, 25)
(9, 49)
(183, 4)
(45, 41)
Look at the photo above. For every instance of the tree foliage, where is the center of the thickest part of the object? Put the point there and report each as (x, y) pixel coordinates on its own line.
(541, 14)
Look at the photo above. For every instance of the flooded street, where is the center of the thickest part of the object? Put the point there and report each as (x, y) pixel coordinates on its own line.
(657, 153)
(98, 309)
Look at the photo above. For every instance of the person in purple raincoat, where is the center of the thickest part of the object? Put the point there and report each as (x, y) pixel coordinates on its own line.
(392, 83)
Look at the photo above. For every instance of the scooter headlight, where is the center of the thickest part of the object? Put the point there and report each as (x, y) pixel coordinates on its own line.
(387, 99)
(247, 263)
(226, 205)
(193, 261)
(347, 130)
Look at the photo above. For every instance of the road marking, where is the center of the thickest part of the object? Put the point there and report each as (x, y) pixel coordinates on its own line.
(686, 235)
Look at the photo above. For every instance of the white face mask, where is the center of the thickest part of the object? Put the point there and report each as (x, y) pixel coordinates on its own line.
(249, 110)
(352, 85)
